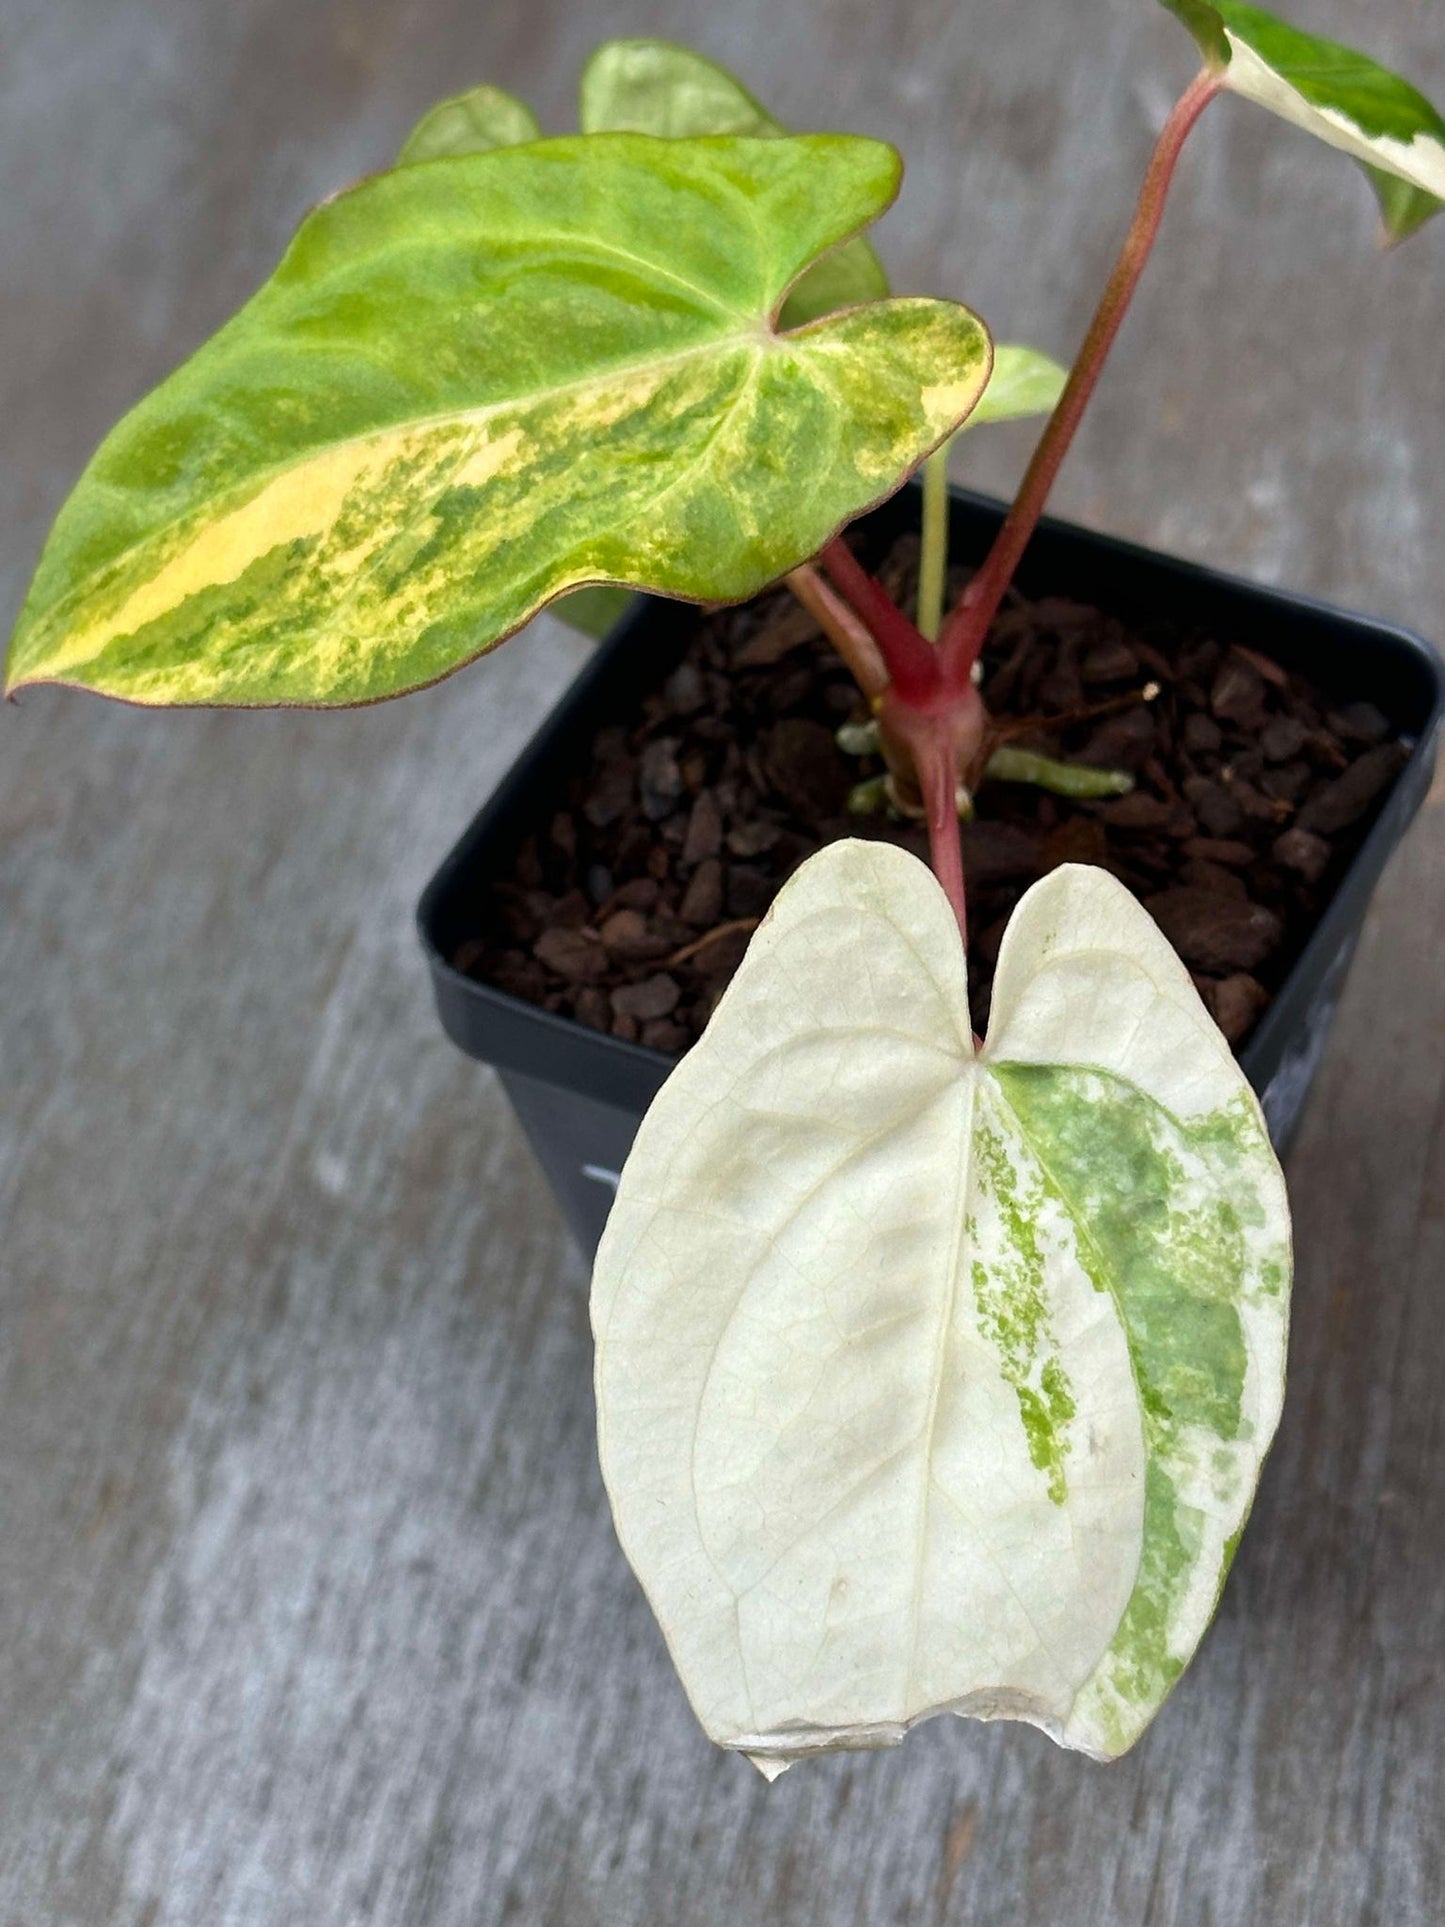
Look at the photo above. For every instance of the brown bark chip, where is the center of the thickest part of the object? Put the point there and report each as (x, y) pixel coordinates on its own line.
(635, 900)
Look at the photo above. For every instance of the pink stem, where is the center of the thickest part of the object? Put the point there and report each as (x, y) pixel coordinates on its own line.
(937, 767)
(910, 658)
(845, 630)
(968, 623)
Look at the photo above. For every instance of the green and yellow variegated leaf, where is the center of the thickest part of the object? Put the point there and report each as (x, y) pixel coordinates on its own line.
(473, 385)
(1023, 382)
(471, 123)
(655, 87)
(474, 123)
(936, 1380)
(1342, 97)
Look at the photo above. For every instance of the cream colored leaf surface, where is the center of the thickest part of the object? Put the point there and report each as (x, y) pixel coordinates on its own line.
(932, 1380)
(474, 384)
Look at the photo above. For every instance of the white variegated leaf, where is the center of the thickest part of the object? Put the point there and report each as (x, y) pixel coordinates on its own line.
(936, 1379)
(1342, 97)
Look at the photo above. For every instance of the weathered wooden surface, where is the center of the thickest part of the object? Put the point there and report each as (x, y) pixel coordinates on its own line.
(309, 1606)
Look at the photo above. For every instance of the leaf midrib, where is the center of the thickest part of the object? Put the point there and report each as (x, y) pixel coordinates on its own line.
(940, 1358)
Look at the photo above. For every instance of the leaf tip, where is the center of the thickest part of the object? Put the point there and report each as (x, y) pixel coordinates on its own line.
(15, 680)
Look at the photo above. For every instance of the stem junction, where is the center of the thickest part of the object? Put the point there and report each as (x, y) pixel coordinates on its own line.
(932, 722)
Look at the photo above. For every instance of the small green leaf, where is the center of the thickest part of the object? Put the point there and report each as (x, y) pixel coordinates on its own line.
(655, 87)
(1342, 97)
(471, 123)
(932, 1379)
(1023, 382)
(474, 385)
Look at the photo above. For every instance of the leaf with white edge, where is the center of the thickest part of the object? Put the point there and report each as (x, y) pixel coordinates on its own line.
(474, 385)
(656, 87)
(1023, 382)
(471, 123)
(930, 1379)
(1342, 97)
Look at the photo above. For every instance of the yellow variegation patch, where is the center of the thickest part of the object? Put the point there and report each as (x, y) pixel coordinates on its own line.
(473, 385)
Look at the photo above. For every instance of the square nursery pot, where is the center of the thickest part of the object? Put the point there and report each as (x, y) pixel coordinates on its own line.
(580, 1094)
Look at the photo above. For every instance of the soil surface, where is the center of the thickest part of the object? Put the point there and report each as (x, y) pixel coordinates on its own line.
(631, 909)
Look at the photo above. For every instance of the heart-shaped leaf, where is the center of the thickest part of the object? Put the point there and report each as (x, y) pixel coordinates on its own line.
(473, 385)
(471, 123)
(931, 1380)
(655, 87)
(1343, 97)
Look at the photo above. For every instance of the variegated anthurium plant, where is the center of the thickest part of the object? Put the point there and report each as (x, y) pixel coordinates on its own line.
(933, 1374)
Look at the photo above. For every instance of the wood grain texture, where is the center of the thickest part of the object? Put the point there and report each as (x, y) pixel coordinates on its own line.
(310, 1609)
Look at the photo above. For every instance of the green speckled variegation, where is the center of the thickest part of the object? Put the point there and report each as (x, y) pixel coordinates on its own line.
(475, 384)
(932, 1379)
(655, 87)
(1343, 97)
(471, 123)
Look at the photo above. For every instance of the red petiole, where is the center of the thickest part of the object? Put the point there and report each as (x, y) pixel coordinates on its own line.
(931, 713)
(910, 658)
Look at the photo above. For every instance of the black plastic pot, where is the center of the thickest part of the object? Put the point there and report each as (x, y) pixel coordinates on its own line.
(580, 1094)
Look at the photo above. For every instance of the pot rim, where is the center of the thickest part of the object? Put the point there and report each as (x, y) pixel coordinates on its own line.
(627, 1075)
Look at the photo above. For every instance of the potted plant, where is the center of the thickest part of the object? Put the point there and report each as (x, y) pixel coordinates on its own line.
(934, 1373)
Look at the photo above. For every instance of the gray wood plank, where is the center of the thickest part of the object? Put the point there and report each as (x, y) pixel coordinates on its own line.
(309, 1605)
